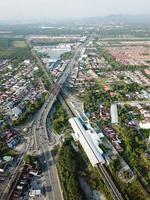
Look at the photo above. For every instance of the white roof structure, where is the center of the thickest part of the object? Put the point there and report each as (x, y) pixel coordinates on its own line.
(144, 125)
(114, 114)
(34, 193)
(27, 62)
(16, 111)
(89, 141)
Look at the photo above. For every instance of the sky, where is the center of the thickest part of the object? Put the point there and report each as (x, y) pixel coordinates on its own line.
(69, 9)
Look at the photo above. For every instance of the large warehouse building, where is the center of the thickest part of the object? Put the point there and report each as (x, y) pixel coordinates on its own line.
(89, 140)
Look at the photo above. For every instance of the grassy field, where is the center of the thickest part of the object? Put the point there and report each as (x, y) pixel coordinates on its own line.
(10, 48)
(19, 44)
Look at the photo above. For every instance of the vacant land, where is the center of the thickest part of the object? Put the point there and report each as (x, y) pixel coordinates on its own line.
(19, 44)
(13, 48)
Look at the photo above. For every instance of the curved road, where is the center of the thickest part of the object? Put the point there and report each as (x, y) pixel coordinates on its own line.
(53, 188)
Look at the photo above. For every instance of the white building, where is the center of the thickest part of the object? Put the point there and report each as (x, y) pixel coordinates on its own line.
(16, 111)
(27, 62)
(144, 125)
(35, 193)
(114, 114)
(89, 140)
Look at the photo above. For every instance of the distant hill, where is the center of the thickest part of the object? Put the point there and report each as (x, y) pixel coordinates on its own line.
(117, 19)
(110, 19)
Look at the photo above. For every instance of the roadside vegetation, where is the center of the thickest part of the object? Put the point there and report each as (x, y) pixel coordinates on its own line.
(41, 75)
(59, 120)
(67, 168)
(33, 161)
(71, 166)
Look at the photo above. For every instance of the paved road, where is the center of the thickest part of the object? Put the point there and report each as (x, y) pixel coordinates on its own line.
(53, 189)
(132, 103)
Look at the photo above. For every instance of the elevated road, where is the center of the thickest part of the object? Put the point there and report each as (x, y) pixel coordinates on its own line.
(53, 188)
(40, 131)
